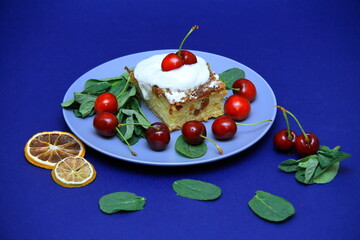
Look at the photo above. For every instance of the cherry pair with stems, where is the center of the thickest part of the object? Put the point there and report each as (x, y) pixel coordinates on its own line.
(286, 139)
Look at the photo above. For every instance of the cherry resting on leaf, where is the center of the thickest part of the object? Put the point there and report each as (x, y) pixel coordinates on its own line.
(245, 88)
(224, 128)
(105, 124)
(106, 102)
(158, 136)
(176, 60)
(237, 107)
(194, 133)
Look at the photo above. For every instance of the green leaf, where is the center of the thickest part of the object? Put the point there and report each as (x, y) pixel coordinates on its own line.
(86, 108)
(290, 165)
(68, 103)
(97, 88)
(328, 175)
(230, 76)
(126, 95)
(129, 128)
(188, 150)
(117, 87)
(83, 97)
(121, 201)
(271, 207)
(312, 163)
(197, 190)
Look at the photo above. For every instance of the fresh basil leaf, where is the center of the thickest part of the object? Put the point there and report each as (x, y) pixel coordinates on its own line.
(121, 201)
(188, 150)
(328, 175)
(290, 165)
(230, 76)
(271, 207)
(197, 190)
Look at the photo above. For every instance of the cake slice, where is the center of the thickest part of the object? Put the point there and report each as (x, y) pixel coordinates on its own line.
(192, 92)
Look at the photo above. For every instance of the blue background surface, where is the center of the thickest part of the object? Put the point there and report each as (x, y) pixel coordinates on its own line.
(308, 51)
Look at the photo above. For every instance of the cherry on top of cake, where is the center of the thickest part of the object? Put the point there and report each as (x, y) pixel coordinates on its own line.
(181, 57)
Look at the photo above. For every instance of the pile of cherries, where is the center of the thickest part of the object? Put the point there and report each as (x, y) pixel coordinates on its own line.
(286, 139)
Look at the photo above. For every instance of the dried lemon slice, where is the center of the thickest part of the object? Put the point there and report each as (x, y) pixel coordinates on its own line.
(73, 172)
(45, 149)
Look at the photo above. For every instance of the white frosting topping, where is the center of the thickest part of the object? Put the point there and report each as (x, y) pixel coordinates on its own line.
(148, 73)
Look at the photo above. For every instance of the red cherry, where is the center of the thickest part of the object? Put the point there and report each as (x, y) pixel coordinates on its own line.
(158, 136)
(106, 102)
(282, 142)
(188, 57)
(171, 61)
(193, 131)
(306, 146)
(224, 128)
(245, 88)
(237, 107)
(105, 124)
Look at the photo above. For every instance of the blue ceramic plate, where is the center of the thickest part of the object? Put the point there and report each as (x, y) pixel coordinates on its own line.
(262, 108)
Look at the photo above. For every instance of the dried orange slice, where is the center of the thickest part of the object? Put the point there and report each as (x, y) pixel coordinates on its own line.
(45, 149)
(73, 172)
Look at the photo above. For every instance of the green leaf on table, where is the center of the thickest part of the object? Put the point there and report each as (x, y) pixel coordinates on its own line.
(188, 150)
(312, 163)
(197, 190)
(121, 201)
(290, 165)
(319, 168)
(328, 175)
(271, 207)
(230, 76)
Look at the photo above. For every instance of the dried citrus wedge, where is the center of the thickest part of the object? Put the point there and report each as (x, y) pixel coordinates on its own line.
(73, 172)
(45, 149)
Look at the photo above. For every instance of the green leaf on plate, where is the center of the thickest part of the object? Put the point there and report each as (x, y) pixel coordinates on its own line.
(230, 76)
(271, 207)
(188, 150)
(197, 190)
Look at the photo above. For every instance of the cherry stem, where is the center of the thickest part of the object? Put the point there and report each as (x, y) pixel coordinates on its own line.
(126, 85)
(217, 146)
(297, 121)
(287, 125)
(127, 143)
(141, 124)
(181, 44)
(252, 124)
